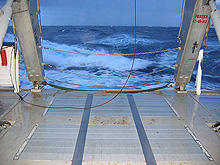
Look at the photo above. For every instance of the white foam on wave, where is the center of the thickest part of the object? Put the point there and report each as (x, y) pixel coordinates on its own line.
(124, 40)
(168, 58)
(110, 66)
(65, 60)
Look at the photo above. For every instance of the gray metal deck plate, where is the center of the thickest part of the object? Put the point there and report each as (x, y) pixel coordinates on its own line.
(112, 143)
(117, 107)
(7, 100)
(114, 134)
(211, 102)
(153, 107)
(173, 143)
(51, 142)
(67, 102)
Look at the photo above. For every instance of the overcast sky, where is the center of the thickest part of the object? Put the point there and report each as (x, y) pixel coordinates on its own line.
(110, 12)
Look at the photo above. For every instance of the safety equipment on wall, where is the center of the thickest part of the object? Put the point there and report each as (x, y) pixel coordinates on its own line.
(4, 57)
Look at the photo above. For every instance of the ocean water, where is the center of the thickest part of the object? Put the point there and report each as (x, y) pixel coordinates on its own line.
(117, 40)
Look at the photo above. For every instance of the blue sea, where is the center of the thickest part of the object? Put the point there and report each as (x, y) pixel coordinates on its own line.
(118, 40)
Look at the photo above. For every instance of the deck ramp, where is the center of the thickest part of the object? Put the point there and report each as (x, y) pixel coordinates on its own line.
(152, 128)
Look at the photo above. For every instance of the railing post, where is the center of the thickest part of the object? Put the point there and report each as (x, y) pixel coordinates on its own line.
(199, 73)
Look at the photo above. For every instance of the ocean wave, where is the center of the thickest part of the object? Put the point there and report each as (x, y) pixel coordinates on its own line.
(105, 40)
(123, 41)
(66, 60)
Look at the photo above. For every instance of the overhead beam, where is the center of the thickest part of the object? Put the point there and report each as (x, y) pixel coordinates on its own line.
(25, 22)
(195, 21)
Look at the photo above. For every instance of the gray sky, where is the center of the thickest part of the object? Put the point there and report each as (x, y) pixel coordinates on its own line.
(110, 12)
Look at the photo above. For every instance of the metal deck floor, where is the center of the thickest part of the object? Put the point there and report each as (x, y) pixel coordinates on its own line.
(163, 126)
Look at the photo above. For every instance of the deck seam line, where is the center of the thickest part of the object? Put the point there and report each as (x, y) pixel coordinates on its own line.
(21, 149)
(216, 117)
(51, 102)
(81, 139)
(199, 143)
(172, 108)
(146, 148)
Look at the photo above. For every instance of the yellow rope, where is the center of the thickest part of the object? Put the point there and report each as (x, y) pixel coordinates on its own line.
(211, 72)
(211, 55)
(128, 54)
(23, 74)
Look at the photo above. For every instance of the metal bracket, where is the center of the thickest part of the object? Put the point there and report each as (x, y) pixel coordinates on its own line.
(37, 87)
(177, 90)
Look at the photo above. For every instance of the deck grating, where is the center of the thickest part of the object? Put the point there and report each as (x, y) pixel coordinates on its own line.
(173, 143)
(118, 107)
(155, 107)
(66, 102)
(112, 143)
(159, 124)
(51, 142)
